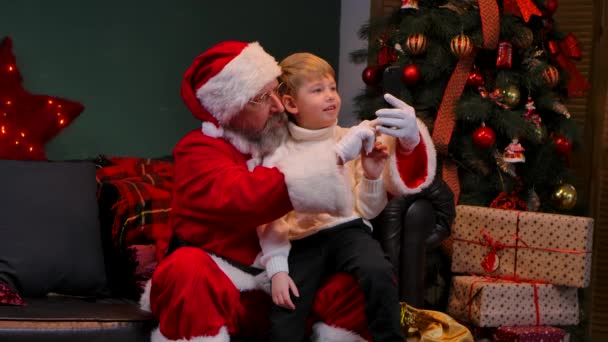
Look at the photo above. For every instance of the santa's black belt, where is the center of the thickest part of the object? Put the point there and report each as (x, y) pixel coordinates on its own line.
(176, 243)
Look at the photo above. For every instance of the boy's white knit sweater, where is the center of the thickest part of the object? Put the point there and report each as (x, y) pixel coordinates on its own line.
(366, 198)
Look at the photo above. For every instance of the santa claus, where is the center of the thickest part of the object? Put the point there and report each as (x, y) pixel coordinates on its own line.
(212, 286)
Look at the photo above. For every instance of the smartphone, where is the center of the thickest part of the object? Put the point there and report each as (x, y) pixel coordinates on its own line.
(391, 80)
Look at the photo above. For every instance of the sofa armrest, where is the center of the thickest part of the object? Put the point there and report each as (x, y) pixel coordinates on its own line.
(407, 228)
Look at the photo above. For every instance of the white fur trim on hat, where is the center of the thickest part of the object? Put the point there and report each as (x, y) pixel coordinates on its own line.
(222, 336)
(144, 300)
(392, 178)
(322, 332)
(226, 93)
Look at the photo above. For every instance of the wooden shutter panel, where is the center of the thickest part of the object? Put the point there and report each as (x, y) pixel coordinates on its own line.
(576, 16)
(598, 118)
(585, 19)
(383, 8)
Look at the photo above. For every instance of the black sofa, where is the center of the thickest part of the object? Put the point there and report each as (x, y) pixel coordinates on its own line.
(408, 229)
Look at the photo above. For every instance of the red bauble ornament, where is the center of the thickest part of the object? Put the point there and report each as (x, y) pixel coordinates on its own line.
(563, 146)
(484, 137)
(411, 74)
(550, 7)
(551, 76)
(416, 43)
(475, 79)
(461, 46)
(372, 75)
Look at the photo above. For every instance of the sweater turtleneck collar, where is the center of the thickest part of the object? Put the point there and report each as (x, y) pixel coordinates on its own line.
(303, 134)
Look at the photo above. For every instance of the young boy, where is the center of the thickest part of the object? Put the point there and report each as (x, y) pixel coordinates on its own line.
(323, 244)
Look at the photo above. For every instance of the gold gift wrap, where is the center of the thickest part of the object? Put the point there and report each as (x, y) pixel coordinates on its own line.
(431, 326)
(492, 302)
(527, 245)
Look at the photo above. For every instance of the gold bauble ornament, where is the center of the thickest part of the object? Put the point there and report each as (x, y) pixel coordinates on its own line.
(416, 43)
(511, 96)
(564, 196)
(461, 45)
(551, 76)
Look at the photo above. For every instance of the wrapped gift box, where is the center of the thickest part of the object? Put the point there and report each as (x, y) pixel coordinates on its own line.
(491, 302)
(527, 245)
(529, 334)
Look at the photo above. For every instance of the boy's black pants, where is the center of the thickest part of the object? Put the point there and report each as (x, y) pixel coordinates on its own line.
(350, 248)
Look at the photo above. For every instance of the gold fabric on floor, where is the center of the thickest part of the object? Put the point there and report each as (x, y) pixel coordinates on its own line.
(431, 326)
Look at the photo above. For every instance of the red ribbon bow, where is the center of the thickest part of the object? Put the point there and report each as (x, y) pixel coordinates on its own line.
(564, 52)
(521, 8)
(494, 246)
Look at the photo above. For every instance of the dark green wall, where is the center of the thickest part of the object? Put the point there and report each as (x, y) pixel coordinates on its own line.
(124, 60)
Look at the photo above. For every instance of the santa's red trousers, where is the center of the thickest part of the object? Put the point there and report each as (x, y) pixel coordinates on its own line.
(191, 297)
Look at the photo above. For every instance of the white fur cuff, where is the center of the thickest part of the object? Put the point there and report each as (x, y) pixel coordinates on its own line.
(322, 332)
(316, 184)
(394, 184)
(222, 336)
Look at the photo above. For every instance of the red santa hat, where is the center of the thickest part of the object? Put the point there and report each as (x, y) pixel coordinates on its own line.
(221, 80)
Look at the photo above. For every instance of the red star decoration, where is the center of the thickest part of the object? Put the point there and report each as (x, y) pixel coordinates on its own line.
(28, 121)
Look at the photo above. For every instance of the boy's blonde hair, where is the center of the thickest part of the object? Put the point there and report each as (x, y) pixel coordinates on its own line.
(299, 67)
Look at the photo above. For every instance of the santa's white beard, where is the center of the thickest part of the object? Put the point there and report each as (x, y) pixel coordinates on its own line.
(263, 142)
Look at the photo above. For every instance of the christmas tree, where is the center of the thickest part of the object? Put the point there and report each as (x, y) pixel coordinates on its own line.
(490, 79)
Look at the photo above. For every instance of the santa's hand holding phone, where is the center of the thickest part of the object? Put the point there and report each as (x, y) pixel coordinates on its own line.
(399, 122)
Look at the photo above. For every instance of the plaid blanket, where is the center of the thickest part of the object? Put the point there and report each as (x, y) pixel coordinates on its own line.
(144, 198)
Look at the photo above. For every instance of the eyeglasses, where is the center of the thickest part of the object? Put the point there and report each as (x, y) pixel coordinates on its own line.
(265, 98)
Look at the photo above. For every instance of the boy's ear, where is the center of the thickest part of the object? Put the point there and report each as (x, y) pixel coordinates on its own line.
(290, 104)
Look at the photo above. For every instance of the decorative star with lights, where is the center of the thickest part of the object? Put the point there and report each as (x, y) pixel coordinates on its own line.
(28, 121)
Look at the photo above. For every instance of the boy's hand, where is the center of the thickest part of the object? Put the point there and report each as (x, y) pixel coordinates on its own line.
(281, 284)
(399, 122)
(373, 163)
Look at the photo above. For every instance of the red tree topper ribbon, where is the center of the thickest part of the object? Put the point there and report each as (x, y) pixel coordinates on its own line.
(564, 53)
(521, 8)
(446, 118)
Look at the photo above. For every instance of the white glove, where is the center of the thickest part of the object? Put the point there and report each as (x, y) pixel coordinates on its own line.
(399, 122)
(358, 137)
